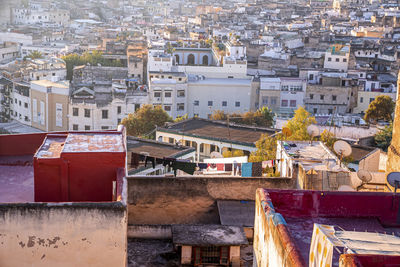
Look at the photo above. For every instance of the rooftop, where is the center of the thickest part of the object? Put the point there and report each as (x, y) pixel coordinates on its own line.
(217, 130)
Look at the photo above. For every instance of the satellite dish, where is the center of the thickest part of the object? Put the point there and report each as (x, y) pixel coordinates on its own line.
(342, 148)
(215, 155)
(286, 132)
(313, 130)
(365, 176)
(345, 188)
(393, 179)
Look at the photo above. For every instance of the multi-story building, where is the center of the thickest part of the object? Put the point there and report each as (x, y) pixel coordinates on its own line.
(21, 103)
(5, 99)
(49, 101)
(337, 57)
(39, 15)
(333, 95)
(8, 52)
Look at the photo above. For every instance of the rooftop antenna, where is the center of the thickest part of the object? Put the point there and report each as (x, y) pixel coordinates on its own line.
(313, 131)
(343, 149)
(393, 179)
(365, 177)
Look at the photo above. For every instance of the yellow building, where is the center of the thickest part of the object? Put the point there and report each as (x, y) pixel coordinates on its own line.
(49, 104)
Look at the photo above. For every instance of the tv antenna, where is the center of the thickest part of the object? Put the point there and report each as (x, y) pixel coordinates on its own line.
(393, 179)
(342, 148)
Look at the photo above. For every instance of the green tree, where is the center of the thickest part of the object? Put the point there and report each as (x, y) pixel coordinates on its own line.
(380, 109)
(219, 115)
(328, 139)
(236, 153)
(299, 123)
(263, 117)
(181, 118)
(384, 137)
(34, 55)
(145, 120)
(266, 149)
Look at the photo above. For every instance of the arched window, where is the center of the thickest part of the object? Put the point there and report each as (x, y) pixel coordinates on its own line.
(190, 59)
(205, 60)
(177, 59)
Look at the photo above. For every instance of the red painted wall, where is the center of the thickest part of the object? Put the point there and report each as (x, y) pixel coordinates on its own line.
(354, 260)
(303, 203)
(20, 144)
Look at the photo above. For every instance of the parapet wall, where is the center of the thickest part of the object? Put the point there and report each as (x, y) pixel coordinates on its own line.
(272, 243)
(68, 234)
(190, 200)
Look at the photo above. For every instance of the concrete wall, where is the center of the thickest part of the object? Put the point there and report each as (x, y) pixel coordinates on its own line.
(272, 243)
(73, 234)
(150, 231)
(163, 200)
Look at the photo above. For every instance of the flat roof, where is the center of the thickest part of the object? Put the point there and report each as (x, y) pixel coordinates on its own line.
(49, 83)
(222, 81)
(156, 148)
(94, 142)
(208, 234)
(236, 212)
(217, 130)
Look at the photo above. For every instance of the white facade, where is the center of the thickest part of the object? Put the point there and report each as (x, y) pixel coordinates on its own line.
(171, 93)
(337, 58)
(8, 52)
(292, 94)
(235, 51)
(206, 95)
(33, 16)
(230, 69)
(21, 103)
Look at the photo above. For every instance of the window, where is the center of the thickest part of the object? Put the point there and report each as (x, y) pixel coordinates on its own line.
(372, 87)
(337, 59)
(181, 93)
(210, 103)
(167, 108)
(75, 112)
(329, 59)
(19, 103)
(75, 127)
(321, 97)
(265, 100)
(315, 110)
(285, 88)
(104, 127)
(284, 103)
(157, 94)
(171, 140)
(196, 102)
(330, 111)
(15, 101)
(87, 128)
(361, 75)
(87, 113)
(167, 94)
(104, 114)
(311, 96)
(119, 109)
(118, 121)
(345, 60)
(333, 98)
(180, 106)
(26, 105)
(311, 77)
(361, 99)
(292, 103)
(274, 100)
(224, 103)
(237, 104)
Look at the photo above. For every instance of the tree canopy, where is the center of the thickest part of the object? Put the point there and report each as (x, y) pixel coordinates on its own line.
(266, 149)
(34, 55)
(384, 137)
(144, 121)
(380, 109)
(94, 58)
(299, 123)
(263, 117)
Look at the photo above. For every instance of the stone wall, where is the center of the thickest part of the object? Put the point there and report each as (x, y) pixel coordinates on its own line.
(68, 234)
(190, 200)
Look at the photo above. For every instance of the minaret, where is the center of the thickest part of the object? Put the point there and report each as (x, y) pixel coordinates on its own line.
(393, 160)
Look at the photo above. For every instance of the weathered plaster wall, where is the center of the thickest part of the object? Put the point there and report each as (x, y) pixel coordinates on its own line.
(272, 243)
(354, 260)
(70, 234)
(181, 200)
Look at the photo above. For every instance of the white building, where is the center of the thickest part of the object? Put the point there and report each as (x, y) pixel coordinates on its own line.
(8, 52)
(39, 15)
(337, 57)
(169, 89)
(21, 103)
(206, 95)
(235, 50)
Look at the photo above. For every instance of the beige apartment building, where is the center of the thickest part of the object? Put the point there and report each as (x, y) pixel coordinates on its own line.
(49, 103)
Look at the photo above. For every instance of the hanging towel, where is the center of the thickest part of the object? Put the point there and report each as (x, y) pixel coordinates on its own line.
(202, 166)
(228, 167)
(256, 169)
(220, 166)
(134, 160)
(247, 169)
(321, 249)
(187, 167)
(237, 169)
